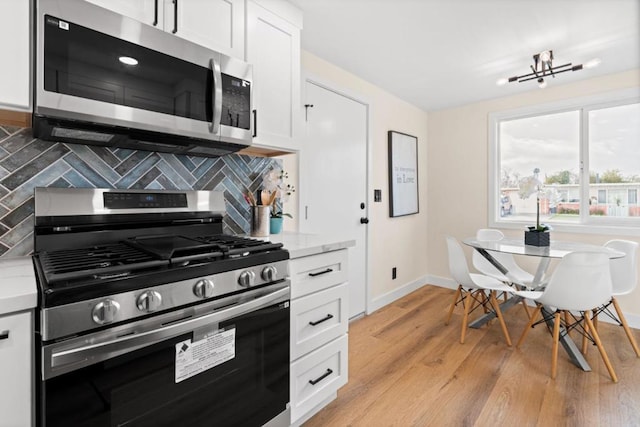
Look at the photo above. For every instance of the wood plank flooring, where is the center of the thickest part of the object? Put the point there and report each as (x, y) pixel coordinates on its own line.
(406, 368)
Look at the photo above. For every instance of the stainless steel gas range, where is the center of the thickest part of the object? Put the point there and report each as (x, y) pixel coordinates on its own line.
(150, 316)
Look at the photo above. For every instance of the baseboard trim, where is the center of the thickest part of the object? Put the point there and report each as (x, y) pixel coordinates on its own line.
(396, 294)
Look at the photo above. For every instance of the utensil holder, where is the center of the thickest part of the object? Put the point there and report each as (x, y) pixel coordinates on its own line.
(260, 221)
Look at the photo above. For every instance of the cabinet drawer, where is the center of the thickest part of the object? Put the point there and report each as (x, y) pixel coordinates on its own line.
(317, 319)
(318, 375)
(316, 272)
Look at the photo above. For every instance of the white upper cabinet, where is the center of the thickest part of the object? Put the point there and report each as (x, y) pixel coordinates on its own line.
(273, 47)
(14, 45)
(216, 24)
(150, 12)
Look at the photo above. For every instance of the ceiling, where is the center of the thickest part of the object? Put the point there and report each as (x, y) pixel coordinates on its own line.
(438, 54)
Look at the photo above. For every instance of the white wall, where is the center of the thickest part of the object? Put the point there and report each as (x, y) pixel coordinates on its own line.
(457, 167)
(396, 242)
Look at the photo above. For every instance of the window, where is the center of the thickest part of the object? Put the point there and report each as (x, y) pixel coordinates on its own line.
(576, 163)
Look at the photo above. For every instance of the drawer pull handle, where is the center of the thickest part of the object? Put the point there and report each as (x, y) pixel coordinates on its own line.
(321, 377)
(324, 319)
(4, 335)
(328, 270)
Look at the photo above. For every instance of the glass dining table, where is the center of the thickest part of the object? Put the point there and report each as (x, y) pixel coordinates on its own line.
(557, 250)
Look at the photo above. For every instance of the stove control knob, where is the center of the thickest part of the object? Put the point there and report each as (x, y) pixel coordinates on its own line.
(105, 311)
(149, 301)
(203, 288)
(269, 273)
(247, 278)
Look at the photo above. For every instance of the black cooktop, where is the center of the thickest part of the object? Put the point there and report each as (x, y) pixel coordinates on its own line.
(70, 275)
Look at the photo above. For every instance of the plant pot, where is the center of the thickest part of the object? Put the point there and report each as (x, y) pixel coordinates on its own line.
(537, 238)
(275, 225)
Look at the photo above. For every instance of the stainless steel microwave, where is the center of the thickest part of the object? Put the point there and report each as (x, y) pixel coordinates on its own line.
(105, 79)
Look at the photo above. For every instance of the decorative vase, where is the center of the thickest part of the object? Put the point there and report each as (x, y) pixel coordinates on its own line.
(275, 225)
(537, 238)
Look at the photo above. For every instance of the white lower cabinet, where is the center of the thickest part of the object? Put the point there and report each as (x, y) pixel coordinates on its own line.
(16, 367)
(319, 326)
(318, 375)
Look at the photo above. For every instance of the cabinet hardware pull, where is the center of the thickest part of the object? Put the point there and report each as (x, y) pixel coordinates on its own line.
(175, 17)
(321, 377)
(324, 319)
(155, 13)
(4, 335)
(328, 270)
(255, 123)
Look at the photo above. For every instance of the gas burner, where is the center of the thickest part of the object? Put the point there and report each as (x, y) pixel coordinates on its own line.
(94, 262)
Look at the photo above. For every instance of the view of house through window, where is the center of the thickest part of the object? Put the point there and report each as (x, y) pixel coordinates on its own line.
(572, 166)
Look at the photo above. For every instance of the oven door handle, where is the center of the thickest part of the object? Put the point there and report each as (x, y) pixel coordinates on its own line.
(105, 350)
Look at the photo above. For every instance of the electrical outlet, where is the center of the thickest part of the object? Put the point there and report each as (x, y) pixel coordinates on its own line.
(394, 273)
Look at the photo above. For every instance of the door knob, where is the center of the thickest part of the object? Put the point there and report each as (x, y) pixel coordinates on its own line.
(364, 220)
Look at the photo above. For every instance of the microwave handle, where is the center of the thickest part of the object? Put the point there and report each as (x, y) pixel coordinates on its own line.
(216, 95)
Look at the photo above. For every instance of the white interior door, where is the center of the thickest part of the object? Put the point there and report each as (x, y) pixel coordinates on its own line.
(333, 178)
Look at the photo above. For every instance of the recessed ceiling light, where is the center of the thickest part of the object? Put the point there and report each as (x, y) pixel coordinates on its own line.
(128, 60)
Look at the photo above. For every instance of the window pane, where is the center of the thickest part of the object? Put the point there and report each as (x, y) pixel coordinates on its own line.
(614, 160)
(542, 153)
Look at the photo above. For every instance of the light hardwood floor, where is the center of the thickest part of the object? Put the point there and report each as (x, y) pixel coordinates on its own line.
(406, 368)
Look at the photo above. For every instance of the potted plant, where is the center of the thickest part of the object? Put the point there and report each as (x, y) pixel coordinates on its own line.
(276, 192)
(537, 235)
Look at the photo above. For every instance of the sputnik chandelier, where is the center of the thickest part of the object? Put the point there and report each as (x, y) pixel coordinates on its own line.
(543, 67)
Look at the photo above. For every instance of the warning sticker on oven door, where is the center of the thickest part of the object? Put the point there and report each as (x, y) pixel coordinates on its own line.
(195, 357)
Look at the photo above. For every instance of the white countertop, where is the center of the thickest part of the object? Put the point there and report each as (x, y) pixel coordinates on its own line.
(18, 290)
(300, 245)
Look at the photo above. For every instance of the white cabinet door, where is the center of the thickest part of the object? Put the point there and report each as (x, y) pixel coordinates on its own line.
(14, 45)
(147, 11)
(273, 47)
(15, 370)
(216, 24)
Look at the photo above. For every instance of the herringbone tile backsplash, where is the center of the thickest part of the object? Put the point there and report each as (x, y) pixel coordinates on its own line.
(27, 162)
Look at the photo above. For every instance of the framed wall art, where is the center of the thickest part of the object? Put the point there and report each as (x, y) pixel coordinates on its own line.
(403, 174)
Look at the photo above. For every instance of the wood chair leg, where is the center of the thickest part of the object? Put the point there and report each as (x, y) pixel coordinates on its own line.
(484, 301)
(532, 320)
(505, 297)
(632, 340)
(585, 347)
(567, 320)
(554, 350)
(465, 318)
(603, 353)
(453, 304)
(496, 307)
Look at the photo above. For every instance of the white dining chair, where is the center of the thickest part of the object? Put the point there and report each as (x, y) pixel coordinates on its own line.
(580, 283)
(519, 275)
(472, 289)
(624, 277)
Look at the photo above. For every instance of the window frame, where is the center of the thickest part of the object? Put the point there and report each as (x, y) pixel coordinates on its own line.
(588, 224)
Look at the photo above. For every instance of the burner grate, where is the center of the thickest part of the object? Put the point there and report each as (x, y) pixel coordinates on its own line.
(96, 262)
(236, 246)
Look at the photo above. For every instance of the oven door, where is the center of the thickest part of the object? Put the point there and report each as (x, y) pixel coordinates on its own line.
(228, 366)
